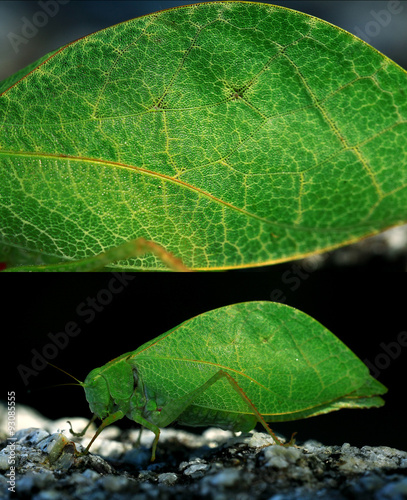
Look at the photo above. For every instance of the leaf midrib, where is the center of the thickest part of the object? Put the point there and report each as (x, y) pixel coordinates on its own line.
(180, 183)
(141, 170)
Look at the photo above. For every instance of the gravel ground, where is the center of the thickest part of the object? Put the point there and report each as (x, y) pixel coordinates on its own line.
(214, 465)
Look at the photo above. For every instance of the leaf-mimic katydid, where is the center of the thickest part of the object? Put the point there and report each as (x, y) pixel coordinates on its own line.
(233, 367)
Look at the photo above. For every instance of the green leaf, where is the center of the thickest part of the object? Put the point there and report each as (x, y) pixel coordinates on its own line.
(288, 365)
(232, 134)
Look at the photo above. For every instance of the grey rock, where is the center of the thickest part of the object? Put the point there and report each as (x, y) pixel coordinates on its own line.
(226, 478)
(280, 457)
(113, 483)
(196, 468)
(168, 478)
(214, 465)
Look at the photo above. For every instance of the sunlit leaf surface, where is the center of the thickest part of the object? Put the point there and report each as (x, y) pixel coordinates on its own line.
(232, 134)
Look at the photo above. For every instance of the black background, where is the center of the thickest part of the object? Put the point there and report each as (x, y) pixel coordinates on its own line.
(364, 309)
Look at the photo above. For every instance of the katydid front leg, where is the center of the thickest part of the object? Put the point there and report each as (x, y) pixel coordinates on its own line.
(107, 421)
(82, 433)
(139, 436)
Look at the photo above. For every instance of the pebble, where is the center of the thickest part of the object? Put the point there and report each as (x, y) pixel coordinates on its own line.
(168, 478)
(281, 456)
(113, 483)
(196, 470)
(4, 460)
(91, 474)
(225, 478)
(31, 436)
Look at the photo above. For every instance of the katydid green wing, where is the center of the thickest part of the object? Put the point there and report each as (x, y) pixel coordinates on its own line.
(232, 134)
(288, 365)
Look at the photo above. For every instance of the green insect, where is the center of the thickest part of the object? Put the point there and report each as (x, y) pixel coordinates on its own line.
(232, 367)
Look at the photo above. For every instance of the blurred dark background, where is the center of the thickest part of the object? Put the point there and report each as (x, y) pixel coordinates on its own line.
(365, 310)
(74, 19)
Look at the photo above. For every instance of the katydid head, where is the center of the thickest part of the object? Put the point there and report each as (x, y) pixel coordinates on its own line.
(97, 393)
(110, 387)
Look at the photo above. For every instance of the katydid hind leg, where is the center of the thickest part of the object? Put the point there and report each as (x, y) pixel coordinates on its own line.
(148, 425)
(258, 415)
(246, 399)
(172, 410)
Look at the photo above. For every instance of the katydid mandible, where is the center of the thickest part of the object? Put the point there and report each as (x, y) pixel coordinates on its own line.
(232, 367)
